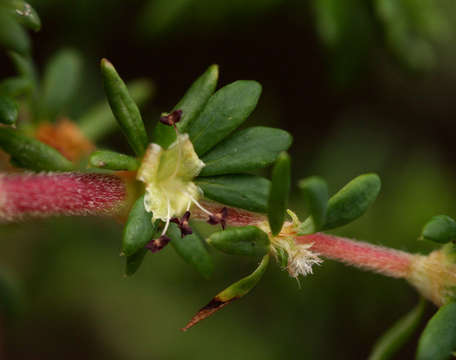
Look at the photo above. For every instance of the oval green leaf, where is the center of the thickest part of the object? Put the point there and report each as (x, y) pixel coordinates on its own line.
(61, 81)
(139, 229)
(244, 240)
(352, 201)
(231, 293)
(99, 120)
(401, 332)
(191, 105)
(244, 191)
(193, 250)
(223, 113)
(440, 229)
(8, 111)
(25, 14)
(246, 150)
(438, 340)
(280, 192)
(315, 192)
(112, 160)
(133, 262)
(12, 35)
(30, 153)
(124, 108)
(15, 86)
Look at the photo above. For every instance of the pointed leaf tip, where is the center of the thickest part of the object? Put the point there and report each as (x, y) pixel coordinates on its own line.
(124, 108)
(231, 293)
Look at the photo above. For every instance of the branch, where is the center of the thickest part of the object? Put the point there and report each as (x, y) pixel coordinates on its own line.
(27, 195)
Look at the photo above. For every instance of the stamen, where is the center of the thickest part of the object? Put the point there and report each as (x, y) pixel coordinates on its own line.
(199, 205)
(168, 218)
(171, 119)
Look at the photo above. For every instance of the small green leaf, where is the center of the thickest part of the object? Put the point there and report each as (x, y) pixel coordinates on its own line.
(25, 67)
(315, 192)
(61, 81)
(99, 120)
(30, 153)
(8, 111)
(223, 113)
(280, 192)
(25, 14)
(12, 35)
(15, 86)
(134, 261)
(352, 201)
(191, 105)
(440, 229)
(124, 108)
(139, 229)
(246, 150)
(113, 160)
(438, 340)
(401, 332)
(244, 240)
(231, 293)
(193, 250)
(244, 191)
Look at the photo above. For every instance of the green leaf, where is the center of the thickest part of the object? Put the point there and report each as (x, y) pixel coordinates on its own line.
(8, 111)
(61, 81)
(280, 192)
(191, 105)
(246, 150)
(15, 86)
(315, 192)
(124, 108)
(438, 340)
(25, 67)
(193, 250)
(401, 332)
(224, 112)
(440, 229)
(133, 262)
(12, 35)
(99, 120)
(243, 240)
(352, 201)
(113, 160)
(139, 229)
(244, 191)
(32, 154)
(25, 14)
(231, 293)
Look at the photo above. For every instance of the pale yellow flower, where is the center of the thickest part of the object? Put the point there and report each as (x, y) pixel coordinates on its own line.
(168, 175)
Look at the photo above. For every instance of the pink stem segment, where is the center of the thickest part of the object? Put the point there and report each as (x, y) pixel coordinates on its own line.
(383, 260)
(25, 196)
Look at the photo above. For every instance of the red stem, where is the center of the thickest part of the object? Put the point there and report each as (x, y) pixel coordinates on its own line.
(380, 259)
(42, 195)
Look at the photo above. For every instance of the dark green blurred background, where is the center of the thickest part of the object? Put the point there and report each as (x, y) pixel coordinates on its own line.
(359, 93)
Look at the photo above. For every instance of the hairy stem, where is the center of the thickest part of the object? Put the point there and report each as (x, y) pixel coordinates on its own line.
(26, 195)
(380, 259)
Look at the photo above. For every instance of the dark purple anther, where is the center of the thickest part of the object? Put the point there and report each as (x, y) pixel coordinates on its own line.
(219, 218)
(157, 244)
(171, 119)
(183, 224)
